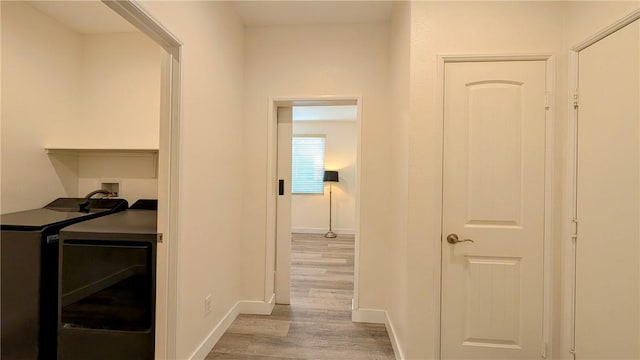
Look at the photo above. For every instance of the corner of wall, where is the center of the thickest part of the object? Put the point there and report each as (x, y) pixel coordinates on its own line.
(395, 342)
(378, 316)
(244, 307)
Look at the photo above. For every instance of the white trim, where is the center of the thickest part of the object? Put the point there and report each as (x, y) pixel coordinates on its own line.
(549, 166)
(549, 195)
(567, 332)
(356, 251)
(377, 316)
(635, 15)
(568, 213)
(271, 181)
(271, 226)
(210, 341)
(374, 316)
(246, 307)
(257, 307)
(494, 57)
(437, 246)
(138, 16)
(169, 162)
(397, 349)
(309, 230)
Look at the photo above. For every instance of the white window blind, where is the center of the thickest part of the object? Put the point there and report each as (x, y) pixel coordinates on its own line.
(307, 165)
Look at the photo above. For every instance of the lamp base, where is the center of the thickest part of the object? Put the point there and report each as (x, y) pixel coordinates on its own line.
(330, 234)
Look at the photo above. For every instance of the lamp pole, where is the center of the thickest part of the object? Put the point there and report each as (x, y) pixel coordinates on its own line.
(330, 176)
(330, 234)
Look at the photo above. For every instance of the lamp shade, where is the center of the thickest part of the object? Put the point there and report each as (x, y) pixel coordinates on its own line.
(330, 175)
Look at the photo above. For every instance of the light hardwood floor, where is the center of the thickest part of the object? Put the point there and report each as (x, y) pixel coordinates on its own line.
(317, 324)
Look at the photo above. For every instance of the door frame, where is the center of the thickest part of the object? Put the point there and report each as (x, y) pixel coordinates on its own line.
(272, 185)
(570, 186)
(549, 60)
(168, 172)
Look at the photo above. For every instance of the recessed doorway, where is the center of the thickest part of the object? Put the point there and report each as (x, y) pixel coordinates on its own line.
(328, 128)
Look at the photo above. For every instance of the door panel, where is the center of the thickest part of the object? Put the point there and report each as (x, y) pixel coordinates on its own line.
(495, 163)
(493, 183)
(283, 208)
(607, 313)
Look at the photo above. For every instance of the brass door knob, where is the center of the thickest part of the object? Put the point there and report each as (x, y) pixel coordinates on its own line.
(453, 239)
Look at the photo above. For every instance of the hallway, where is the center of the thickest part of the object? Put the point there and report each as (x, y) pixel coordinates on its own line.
(317, 324)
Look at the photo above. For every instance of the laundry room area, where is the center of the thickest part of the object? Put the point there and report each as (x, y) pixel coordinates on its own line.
(80, 104)
(80, 135)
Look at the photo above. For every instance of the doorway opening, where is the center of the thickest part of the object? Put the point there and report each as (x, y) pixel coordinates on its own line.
(312, 281)
(108, 119)
(323, 205)
(309, 137)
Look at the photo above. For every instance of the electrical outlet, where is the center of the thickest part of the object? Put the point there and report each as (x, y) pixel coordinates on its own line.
(208, 304)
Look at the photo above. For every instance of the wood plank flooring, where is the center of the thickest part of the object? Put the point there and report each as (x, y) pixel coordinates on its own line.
(317, 324)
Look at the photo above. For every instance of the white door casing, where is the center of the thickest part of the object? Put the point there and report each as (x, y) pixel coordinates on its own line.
(494, 194)
(607, 248)
(283, 207)
(168, 173)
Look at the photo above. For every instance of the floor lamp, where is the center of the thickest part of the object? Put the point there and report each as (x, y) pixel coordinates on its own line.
(330, 177)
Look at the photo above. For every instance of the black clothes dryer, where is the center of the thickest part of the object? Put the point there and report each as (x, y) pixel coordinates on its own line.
(107, 287)
(29, 273)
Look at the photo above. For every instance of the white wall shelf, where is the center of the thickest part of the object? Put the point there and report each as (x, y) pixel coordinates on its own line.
(100, 151)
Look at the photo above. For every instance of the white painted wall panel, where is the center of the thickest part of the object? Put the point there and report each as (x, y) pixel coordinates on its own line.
(495, 157)
(607, 315)
(41, 77)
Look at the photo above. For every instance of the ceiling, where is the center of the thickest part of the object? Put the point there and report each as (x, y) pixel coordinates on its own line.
(264, 13)
(91, 17)
(84, 17)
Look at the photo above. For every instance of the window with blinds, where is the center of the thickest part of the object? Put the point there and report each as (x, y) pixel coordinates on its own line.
(307, 164)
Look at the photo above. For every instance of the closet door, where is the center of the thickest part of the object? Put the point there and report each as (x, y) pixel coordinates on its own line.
(607, 313)
(493, 195)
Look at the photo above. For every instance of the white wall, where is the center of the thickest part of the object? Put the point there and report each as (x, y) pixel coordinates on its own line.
(120, 100)
(466, 28)
(310, 212)
(585, 18)
(41, 68)
(317, 60)
(447, 28)
(136, 174)
(209, 258)
(119, 107)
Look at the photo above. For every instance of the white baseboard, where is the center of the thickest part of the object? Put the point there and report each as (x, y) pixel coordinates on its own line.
(368, 315)
(307, 230)
(205, 347)
(397, 350)
(257, 307)
(379, 317)
(241, 307)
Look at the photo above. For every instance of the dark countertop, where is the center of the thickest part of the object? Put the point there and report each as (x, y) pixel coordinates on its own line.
(38, 219)
(60, 212)
(126, 225)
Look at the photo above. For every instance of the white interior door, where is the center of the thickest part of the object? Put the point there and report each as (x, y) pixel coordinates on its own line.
(607, 313)
(283, 207)
(494, 191)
